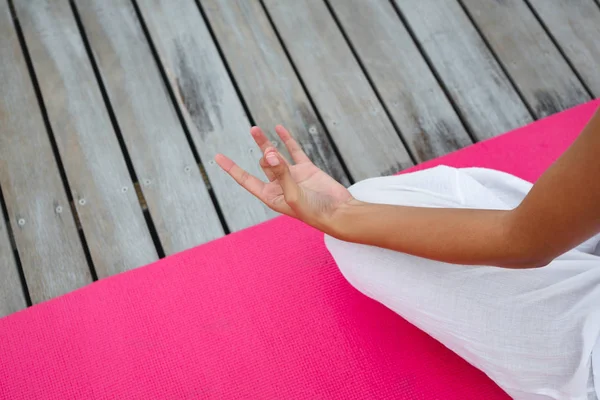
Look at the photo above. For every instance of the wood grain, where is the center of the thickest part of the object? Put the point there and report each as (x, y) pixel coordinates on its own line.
(171, 182)
(12, 297)
(536, 66)
(103, 192)
(271, 89)
(475, 81)
(205, 94)
(364, 135)
(405, 83)
(575, 25)
(47, 240)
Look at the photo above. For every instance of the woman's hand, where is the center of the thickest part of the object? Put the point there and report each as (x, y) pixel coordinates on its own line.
(301, 190)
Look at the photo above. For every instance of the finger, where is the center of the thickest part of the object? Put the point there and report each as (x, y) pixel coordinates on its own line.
(245, 179)
(293, 147)
(281, 170)
(266, 169)
(263, 143)
(265, 164)
(261, 140)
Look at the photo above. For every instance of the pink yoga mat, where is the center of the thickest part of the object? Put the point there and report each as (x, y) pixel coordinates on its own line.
(260, 314)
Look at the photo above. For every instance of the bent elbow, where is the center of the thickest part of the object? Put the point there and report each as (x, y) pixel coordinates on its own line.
(536, 264)
(527, 249)
(526, 263)
(531, 256)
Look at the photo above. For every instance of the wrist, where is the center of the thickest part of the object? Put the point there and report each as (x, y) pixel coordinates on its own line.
(340, 223)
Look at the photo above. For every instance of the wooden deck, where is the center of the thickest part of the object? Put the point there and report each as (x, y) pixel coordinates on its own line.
(111, 110)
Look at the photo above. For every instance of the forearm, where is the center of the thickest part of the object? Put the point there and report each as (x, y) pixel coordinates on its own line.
(561, 211)
(459, 236)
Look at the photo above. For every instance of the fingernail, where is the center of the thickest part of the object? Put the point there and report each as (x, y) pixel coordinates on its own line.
(273, 160)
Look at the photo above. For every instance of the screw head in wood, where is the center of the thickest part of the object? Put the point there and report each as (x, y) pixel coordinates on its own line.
(21, 221)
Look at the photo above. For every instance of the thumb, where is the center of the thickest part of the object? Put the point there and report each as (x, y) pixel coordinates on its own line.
(281, 171)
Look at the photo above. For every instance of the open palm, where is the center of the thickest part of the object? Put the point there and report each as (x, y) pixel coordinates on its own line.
(301, 190)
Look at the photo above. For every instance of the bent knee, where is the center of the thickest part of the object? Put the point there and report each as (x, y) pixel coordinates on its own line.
(364, 266)
(369, 190)
(348, 258)
(434, 187)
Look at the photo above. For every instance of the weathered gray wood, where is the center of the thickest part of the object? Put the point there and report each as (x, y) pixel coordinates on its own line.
(47, 240)
(350, 109)
(12, 297)
(575, 25)
(405, 83)
(271, 89)
(536, 66)
(475, 81)
(208, 101)
(172, 184)
(104, 196)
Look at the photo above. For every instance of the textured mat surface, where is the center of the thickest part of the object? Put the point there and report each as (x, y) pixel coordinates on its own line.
(261, 314)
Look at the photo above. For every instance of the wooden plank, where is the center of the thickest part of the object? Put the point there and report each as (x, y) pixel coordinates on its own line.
(12, 297)
(575, 25)
(357, 121)
(536, 66)
(405, 83)
(103, 192)
(47, 240)
(207, 99)
(172, 184)
(475, 81)
(271, 89)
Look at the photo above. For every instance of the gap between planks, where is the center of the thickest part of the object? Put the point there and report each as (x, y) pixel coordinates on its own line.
(359, 61)
(50, 135)
(408, 91)
(341, 174)
(172, 97)
(523, 48)
(174, 189)
(125, 153)
(350, 109)
(558, 47)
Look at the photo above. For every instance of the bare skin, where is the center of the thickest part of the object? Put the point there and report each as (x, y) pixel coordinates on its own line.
(561, 211)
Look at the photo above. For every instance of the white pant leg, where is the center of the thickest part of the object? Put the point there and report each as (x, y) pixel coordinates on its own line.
(532, 331)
